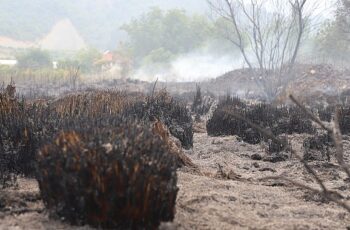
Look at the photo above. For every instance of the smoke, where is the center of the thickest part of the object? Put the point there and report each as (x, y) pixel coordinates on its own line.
(191, 67)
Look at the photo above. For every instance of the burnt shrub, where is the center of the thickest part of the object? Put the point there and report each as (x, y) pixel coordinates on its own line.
(297, 122)
(344, 120)
(92, 104)
(345, 97)
(277, 147)
(317, 147)
(20, 135)
(25, 127)
(325, 113)
(122, 177)
(201, 103)
(169, 111)
(227, 120)
(7, 176)
(222, 123)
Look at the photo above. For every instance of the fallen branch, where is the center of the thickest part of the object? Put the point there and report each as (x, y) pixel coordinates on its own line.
(329, 195)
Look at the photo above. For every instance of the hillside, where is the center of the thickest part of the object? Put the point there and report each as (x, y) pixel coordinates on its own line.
(97, 21)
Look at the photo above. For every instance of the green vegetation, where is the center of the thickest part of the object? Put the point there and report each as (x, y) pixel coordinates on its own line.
(97, 21)
(160, 36)
(333, 38)
(34, 59)
(37, 65)
(84, 59)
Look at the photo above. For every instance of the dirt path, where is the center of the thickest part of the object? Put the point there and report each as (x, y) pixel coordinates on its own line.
(230, 198)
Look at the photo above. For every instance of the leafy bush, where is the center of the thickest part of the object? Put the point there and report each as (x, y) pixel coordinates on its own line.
(109, 173)
(34, 59)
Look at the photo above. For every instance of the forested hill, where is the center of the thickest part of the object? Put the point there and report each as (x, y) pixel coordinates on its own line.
(98, 21)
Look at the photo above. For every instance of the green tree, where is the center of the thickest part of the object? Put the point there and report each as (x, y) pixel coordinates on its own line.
(170, 33)
(86, 58)
(333, 39)
(34, 59)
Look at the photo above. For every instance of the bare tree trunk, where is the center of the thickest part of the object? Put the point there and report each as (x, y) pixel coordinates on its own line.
(298, 9)
(240, 43)
(270, 35)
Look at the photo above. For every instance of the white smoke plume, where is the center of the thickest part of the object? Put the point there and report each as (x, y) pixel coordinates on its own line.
(191, 67)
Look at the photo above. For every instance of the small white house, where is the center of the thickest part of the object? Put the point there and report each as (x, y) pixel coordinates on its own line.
(54, 64)
(12, 63)
(8, 62)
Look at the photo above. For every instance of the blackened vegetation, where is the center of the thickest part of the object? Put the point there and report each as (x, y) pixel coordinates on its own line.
(344, 120)
(100, 161)
(327, 113)
(201, 103)
(345, 97)
(318, 147)
(122, 177)
(278, 147)
(92, 104)
(20, 136)
(7, 165)
(275, 150)
(279, 120)
(169, 111)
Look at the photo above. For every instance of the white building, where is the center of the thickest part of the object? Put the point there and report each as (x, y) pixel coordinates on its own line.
(8, 62)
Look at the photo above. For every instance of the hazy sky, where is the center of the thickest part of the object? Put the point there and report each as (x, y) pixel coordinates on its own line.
(327, 7)
(324, 7)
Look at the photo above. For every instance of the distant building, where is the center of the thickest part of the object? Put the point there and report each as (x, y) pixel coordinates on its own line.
(11, 43)
(107, 60)
(108, 56)
(12, 63)
(8, 62)
(54, 64)
(62, 37)
(115, 63)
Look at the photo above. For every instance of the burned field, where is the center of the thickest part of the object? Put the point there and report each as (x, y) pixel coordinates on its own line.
(119, 160)
(100, 158)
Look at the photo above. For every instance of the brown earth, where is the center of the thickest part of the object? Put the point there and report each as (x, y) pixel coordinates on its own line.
(227, 193)
(310, 83)
(317, 83)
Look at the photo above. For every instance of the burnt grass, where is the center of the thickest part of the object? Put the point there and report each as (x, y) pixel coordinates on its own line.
(95, 155)
(327, 114)
(99, 162)
(113, 173)
(277, 120)
(171, 112)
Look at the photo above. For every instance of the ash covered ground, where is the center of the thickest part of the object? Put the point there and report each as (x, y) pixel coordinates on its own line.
(210, 200)
(229, 188)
